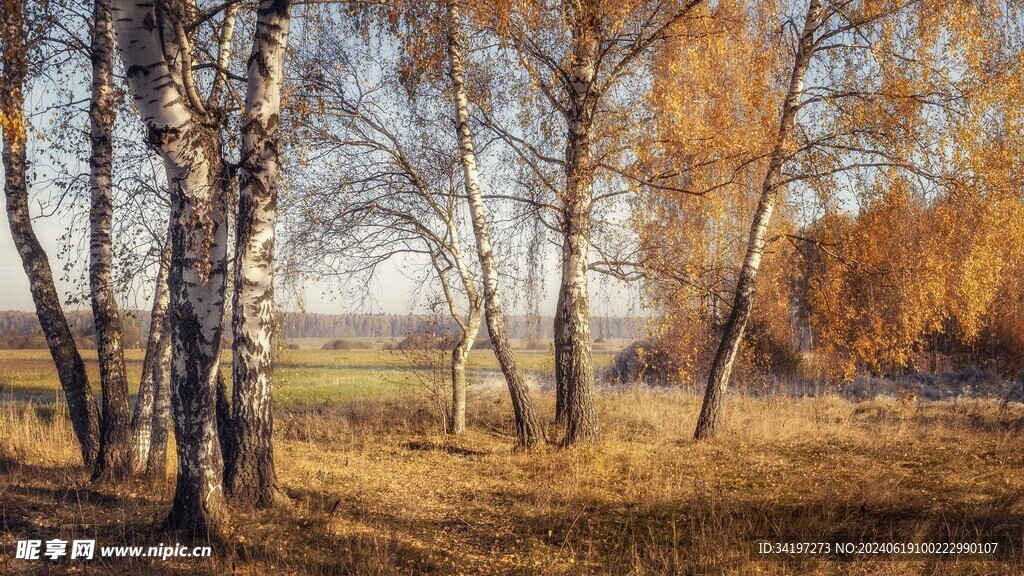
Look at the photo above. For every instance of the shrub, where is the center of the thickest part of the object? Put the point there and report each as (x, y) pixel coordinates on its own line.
(534, 343)
(346, 345)
(23, 343)
(425, 341)
(771, 353)
(646, 361)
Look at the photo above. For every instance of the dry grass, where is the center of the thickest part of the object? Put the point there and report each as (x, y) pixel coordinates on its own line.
(377, 491)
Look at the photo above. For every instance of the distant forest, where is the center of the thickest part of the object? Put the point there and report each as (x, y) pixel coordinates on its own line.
(20, 330)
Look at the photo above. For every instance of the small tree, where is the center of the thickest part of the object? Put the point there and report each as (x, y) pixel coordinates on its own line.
(427, 353)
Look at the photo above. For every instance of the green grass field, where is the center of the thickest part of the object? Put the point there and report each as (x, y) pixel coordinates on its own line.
(302, 376)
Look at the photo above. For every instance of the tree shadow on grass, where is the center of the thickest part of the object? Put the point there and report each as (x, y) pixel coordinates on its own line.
(707, 530)
(46, 503)
(708, 533)
(450, 448)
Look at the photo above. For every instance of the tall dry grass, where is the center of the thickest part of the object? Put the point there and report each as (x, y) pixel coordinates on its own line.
(376, 489)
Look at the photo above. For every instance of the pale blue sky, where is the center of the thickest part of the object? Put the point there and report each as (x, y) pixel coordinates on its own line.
(393, 291)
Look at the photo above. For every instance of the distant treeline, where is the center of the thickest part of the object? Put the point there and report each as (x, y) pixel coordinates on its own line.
(21, 329)
(399, 325)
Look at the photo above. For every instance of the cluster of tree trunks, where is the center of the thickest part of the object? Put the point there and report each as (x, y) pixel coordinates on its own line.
(181, 366)
(225, 448)
(216, 450)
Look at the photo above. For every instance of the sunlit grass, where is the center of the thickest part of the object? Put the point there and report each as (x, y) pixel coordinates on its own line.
(302, 376)
(377, 489)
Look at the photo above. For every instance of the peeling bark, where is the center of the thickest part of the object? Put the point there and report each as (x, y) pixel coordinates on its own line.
(70, 368)
(250, 475)
(115, 458)
(718, 380)
(198, 301)
(574, 365)
(561, 399)
(141, 427)
(529, 432)
(154, 55)
(224, 426)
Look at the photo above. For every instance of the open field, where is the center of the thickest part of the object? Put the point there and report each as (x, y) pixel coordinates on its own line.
(305, 375)
(376, 489)
(602, 345)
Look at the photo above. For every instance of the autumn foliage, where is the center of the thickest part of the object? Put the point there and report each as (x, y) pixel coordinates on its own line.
(899, 245)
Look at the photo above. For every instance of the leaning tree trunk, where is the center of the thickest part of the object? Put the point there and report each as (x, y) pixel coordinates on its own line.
(184, 136)
(250, 473)
(143, 416)
(718, 379)
(115, 459)
(528, 429)
(70, 368)
(574, 365)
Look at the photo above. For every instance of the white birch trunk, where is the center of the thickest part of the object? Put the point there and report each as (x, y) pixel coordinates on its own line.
(220, 79)
(196, 277)
(115, 458)
(142, 417)
(718, 380)
(250, 473)
(460, 357)
(469, 326)
(528, 429)
(574, 365)
(156, 462)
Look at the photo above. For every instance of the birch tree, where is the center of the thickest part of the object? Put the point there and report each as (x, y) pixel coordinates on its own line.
(874, 106)
(250, 470)
(157, 56)
(528, 429)
(115, 457)
(15, 44)
(393, 188)
(576, 55)
(718, 378)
